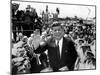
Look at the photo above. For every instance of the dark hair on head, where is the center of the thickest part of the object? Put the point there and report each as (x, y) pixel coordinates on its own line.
(81, 40)
(57, 24)
(90, 54)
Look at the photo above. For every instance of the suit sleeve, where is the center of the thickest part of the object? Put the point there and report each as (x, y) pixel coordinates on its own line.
(73, 55)
(41, 49)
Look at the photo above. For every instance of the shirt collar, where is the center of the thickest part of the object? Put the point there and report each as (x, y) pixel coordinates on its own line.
(60, 41)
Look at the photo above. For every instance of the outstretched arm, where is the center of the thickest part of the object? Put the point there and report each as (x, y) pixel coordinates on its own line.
(41, 49)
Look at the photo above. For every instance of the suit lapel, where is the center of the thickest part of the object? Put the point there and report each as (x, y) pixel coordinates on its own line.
(64, 47)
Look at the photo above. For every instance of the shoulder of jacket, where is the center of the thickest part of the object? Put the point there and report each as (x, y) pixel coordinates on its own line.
(69, 40)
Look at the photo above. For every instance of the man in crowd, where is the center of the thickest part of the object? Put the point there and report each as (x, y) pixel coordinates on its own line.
(61, 51)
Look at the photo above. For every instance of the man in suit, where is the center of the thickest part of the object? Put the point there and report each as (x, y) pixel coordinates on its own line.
(61, 51)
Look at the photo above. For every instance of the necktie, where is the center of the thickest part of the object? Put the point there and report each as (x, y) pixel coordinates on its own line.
(58, 52)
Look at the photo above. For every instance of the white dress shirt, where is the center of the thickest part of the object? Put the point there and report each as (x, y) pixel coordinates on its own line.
(60, 45)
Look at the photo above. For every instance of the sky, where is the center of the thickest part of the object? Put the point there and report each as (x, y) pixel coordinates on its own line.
(65, 9)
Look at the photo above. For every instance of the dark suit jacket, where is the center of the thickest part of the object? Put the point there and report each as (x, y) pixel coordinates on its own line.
(68, 56)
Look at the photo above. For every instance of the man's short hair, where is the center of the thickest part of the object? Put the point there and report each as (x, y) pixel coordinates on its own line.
(57, 24)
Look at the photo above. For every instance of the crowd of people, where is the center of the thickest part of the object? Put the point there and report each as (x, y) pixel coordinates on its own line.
(84, 36)
(25, 21)
(25, 40)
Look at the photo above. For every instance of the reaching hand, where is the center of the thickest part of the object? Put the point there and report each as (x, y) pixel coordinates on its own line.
(65, 68)
(48, 69)
(36, 41)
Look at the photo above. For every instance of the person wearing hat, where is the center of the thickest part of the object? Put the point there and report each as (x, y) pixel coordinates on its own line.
(61, 51)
